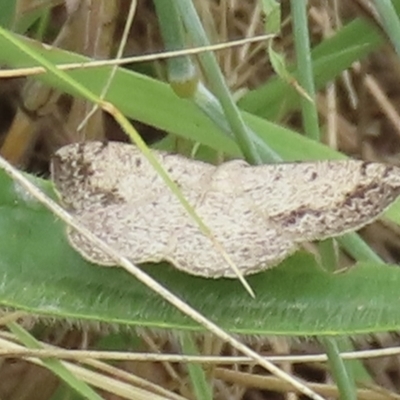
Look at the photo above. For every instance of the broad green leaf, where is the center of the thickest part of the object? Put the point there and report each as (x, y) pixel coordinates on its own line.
(42, 274)
(154, 103)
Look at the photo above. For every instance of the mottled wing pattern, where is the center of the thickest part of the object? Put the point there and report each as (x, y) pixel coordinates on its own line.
(257, 214)
(316, 200)
(95, 174)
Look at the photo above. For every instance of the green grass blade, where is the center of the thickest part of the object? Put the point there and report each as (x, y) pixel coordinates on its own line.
(55, 365)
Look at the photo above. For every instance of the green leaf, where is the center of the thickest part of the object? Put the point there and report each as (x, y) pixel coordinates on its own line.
(272, 15)
(354, 42)
(278, 63)
(7, 13)
(201, 387)
(42, 274)
(54, 365)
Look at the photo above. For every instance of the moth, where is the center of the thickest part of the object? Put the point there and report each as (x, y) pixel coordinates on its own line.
(258, 214)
